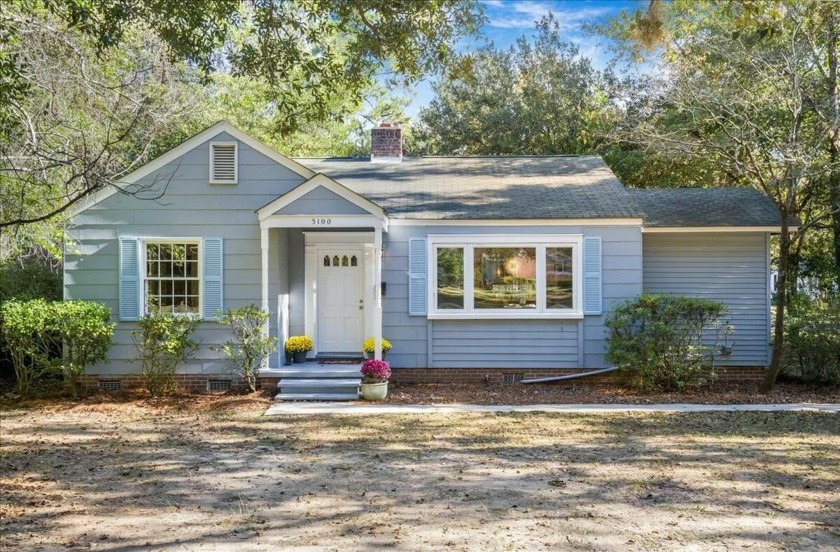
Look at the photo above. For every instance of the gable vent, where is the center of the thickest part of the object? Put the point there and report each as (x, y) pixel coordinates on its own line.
(218, 385)
(223, 160)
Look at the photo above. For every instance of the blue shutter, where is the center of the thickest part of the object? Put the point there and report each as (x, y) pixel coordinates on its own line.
(212, 282)
(417, 289)
(592, 301)
(129, 279)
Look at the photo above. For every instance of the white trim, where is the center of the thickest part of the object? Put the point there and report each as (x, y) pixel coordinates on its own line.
(143, 263)
(504, 239)
(310, 294)
(537, 241)
(708, 229)
(320, 181)
(338, 238)
(185, 147)
(516, 222)
(377, 292)
(369, 280)
(324, 221)
(212, 162)
(264, 248)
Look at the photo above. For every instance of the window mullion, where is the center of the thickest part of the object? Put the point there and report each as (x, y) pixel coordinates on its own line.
(468, 278)
(541, 283)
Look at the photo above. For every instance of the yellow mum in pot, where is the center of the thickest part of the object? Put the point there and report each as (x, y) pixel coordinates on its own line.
(368, 345)
(298, 344)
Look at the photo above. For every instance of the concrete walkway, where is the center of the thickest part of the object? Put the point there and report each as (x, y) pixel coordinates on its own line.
(294, 408)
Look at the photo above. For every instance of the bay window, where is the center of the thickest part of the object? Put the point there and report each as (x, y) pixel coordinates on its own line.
(505, 276)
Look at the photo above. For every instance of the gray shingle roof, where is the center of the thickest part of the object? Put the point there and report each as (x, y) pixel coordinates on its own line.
(486, 187)
(674, 207)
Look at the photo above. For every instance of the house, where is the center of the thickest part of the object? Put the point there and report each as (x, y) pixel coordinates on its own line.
(474, 268)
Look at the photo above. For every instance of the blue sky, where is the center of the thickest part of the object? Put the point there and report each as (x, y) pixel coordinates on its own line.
(509, 19)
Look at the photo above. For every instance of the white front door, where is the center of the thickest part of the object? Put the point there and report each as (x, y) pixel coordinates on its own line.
(340, 300)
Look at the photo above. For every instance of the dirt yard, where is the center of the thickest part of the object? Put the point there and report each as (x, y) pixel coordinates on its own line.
(213, 474)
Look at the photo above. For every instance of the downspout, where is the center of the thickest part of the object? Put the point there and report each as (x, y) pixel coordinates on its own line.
(570, 376)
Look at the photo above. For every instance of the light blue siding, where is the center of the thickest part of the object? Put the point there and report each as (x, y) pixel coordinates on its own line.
(180, 202)
(321, 201)
(505, 343)
(621, 269)
(731, 268)
(497, 344)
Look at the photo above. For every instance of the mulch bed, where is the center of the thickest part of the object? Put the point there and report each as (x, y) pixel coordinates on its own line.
(566, 393)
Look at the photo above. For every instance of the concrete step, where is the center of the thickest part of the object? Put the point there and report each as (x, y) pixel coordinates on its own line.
(317, 396)
(337, 371)
(320, 382)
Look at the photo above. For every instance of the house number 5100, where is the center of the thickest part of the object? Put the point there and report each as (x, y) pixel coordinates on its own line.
(321, 222)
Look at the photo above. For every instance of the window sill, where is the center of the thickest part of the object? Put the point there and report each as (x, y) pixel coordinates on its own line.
(224, 183)
(505, 316)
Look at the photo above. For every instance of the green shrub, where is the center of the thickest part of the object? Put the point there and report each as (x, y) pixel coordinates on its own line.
(28, 331)
(64, 335)
(248, 347)
(23, 280)
(659, 339)
(29, 280)
(85, 331)
(163, 342)
(812, 340)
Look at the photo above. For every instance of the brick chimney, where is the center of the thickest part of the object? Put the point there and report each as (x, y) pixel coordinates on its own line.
(386, 143)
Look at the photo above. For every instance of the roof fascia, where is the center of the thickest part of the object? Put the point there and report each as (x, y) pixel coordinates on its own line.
(185, 147)
(324, 181)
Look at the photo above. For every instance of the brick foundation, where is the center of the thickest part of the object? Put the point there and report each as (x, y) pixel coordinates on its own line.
(190, 383)
(197, 383)
(737, 374)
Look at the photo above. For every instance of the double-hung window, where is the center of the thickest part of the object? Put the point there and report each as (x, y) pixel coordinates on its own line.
(505, 276)
(171, 279)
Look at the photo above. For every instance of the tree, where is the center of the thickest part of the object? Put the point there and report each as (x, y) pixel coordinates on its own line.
(539, 97)
(310, 55)
(746, 88)
(247, 103)
(85, 120)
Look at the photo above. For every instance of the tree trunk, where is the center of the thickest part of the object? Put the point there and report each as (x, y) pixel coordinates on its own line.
(793, 265)
(834, 204)
(834, 139)
(781, 300)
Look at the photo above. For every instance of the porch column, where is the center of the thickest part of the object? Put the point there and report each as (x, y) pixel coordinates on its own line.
(377, 293)
(264, 250)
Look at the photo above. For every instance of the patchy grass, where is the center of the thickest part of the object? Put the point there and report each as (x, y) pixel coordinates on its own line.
(213, 473)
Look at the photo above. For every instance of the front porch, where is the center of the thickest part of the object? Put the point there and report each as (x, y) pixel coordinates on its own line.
(321, 273)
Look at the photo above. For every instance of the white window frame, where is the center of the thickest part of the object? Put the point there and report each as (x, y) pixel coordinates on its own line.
(235, 162)
(144, 265)
(537, 241)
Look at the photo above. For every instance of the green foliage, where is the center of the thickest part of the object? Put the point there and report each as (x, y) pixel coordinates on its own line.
(750, 88)
(28, 329)
(813, 340)
(67, 335)
(163, 342)
(248, 348)
(308, 52)
(537, 97)
(29, 280)
(658, 338)
(85, 331)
